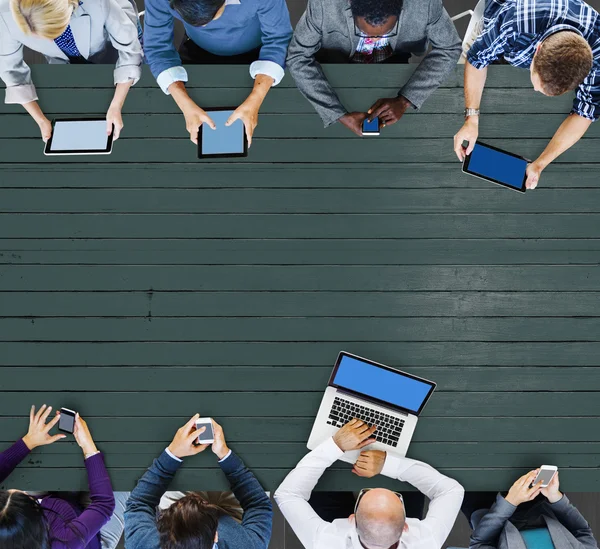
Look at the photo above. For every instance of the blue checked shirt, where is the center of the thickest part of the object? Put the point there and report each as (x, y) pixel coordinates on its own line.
(513, 29)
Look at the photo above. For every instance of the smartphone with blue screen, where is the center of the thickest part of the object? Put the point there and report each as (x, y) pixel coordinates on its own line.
(370, 128)
(498, 166)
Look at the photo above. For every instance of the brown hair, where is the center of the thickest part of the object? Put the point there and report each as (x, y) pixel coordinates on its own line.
(562, 62)
(190, 523)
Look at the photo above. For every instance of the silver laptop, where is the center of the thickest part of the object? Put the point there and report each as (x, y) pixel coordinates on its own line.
(382, 396)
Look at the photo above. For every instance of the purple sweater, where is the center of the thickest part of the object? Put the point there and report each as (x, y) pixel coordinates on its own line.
(70, 526)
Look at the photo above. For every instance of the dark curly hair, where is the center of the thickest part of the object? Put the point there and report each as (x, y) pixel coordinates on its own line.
(376, 12)
(190, 523)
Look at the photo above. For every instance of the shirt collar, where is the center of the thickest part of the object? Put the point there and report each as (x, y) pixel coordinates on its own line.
(232, 2)
(556, 28)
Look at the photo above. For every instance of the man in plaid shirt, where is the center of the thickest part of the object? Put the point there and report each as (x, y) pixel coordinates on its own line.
(559, 41)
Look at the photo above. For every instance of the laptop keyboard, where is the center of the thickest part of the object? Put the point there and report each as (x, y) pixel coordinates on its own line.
(388, 427)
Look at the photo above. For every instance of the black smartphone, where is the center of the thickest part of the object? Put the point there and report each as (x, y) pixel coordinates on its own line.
(66, 423)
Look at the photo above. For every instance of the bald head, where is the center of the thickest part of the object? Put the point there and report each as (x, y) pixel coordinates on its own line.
(380, 519)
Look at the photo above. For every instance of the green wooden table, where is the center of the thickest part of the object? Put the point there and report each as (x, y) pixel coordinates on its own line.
(144, 286)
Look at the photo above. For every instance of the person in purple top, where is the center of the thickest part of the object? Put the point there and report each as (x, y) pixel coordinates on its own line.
(53, 522)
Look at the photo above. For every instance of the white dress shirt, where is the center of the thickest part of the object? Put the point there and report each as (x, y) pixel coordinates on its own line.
(292, 496)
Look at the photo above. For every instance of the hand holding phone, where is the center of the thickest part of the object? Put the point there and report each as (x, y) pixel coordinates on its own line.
(66, 423)
(219, 446)
(83, 436)
(185, 442)
(545, 475)
(370, 128)
(39, 431)
(207, 436)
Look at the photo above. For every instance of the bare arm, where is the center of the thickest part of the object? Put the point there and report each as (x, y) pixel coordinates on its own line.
(113, 116)
(569, 132)
(474, 84)
(36, 113)
(194, 115)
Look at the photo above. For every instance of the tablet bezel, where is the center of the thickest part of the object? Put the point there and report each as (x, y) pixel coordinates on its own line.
(467, 160)
(202, 156)
(48, 146)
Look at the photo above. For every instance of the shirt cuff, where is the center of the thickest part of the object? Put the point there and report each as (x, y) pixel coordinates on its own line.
(19, 95)
(477, 63)
(331, 450)
(171, 455)
(228, 454)
(168, 76)
(587, 115)
(88, 456)
(395, 467)
(269, 68)
(127, 73)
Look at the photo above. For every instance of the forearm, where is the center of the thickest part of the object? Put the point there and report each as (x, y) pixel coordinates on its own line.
(35, 111)
(491, 525)
(474, 84)
(569, 132)
(262, 85)
(180, 95)
(121, 91)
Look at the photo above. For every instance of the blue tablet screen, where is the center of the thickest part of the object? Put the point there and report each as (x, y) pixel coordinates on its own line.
(497, 165)
(225, 139)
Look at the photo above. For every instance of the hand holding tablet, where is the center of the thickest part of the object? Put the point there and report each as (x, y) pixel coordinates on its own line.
(498, 166)
(224, 141)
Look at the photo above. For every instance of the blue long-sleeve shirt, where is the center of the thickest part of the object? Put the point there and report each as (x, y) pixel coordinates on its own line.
(253, 533)
(244, 26)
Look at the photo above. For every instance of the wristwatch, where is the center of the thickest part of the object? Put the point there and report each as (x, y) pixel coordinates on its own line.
(471, 112)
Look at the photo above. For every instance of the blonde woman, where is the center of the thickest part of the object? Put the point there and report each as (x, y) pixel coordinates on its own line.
(69, 31)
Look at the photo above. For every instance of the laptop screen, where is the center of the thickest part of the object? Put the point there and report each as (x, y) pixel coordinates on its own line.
(390, 386)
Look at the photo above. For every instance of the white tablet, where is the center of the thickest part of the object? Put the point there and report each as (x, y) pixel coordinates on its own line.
(224, 141)
(79, 136)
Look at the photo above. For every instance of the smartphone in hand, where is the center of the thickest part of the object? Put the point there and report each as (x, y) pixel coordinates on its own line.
(208, 437)
(66, 423)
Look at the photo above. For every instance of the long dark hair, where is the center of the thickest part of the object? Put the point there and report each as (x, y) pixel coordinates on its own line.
(190, 523)
(22, 522)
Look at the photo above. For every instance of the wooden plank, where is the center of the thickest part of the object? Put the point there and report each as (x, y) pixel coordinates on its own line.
(305, 226)
(299, 252)
(94, 101)
(299, 304)
(311, 378)
(256, 201)
(404, 355)
(304, 151)
(215, 76)
(287, 455)
(293, 429)
(295, 403)
(310, 329)
(301, 278)
(317, 175)
(493, 126)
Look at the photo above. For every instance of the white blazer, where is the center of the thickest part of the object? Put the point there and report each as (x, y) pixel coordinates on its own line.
(94, 23)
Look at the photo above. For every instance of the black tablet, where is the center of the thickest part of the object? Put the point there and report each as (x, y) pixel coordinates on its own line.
(501, 167)
(79, 136)
(224, 141)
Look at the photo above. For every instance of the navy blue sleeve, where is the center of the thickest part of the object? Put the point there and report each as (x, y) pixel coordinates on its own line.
(258, 511)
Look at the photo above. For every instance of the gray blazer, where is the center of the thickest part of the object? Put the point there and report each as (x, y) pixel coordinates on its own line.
(329, 25)
(568, 529)
(94, 24)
